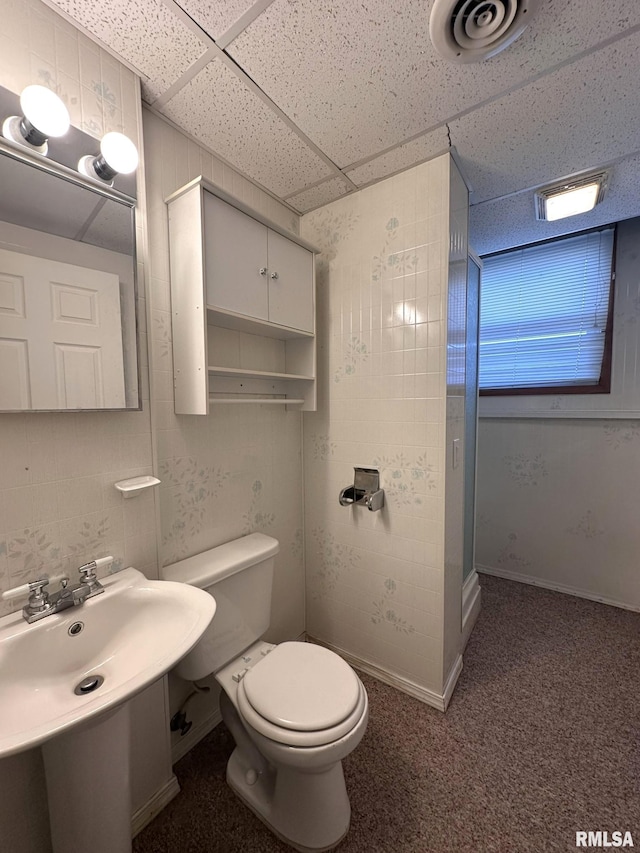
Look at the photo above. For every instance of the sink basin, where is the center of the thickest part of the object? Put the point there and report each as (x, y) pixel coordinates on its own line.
(131, 635)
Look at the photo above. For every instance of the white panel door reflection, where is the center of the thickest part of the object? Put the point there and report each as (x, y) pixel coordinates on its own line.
(60, 335)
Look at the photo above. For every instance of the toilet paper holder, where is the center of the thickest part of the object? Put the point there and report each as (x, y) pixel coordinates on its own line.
(365, 490)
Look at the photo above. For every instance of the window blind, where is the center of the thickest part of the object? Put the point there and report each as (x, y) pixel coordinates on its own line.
(544, 312)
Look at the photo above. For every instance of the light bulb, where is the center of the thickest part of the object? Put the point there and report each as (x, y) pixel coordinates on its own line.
(45, 111)
(118, 155)
(43, 115)
(119, 152)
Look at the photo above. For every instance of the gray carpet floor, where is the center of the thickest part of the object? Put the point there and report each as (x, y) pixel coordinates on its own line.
(541, 740)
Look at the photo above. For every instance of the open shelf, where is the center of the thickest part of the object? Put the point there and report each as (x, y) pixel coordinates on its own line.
(261, 400)
(255, 374)
(239, 323)
(254, 367)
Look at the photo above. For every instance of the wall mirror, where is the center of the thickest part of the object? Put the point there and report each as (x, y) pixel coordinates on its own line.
(68, 337)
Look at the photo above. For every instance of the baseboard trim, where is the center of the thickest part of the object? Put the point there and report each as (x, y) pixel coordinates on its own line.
(471, 603)
(556, 587)
(452, 680)
(405, 685)
(146, 813)
(181, 747)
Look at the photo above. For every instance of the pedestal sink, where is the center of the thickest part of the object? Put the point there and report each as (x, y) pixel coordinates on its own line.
(66, 681)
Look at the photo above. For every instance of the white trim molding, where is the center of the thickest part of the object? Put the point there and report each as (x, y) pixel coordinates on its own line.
(471, 602)
(556, 587)
(146, 813)
(452, 680)
(404, 685)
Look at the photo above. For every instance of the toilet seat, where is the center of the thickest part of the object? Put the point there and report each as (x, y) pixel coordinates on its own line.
(301, 695)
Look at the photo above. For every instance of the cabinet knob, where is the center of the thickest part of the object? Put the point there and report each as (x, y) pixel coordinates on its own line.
(274, 275)
(263, 270)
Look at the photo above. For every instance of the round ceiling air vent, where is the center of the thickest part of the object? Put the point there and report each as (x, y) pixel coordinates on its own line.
(473, 30)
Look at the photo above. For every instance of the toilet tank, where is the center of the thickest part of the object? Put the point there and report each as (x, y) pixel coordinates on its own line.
(239, 576)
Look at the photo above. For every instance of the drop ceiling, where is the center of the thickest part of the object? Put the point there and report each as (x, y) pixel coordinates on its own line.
(313, 99)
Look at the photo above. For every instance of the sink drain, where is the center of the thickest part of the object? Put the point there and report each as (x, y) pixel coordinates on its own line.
(88, 685)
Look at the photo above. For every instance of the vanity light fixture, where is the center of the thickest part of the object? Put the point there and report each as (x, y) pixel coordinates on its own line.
(573, 196)
(118, 155)
(43, 115)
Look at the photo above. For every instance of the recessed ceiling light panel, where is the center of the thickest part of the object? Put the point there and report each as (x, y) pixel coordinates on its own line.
(574, 196)
(473, 30)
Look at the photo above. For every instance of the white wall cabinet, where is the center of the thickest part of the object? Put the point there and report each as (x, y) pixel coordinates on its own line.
(255, 271)
(243, 305)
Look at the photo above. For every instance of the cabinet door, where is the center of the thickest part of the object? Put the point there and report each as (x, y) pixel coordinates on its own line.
(235, 253)
(290, 283)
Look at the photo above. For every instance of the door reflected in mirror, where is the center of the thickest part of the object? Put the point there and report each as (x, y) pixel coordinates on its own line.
(67, 291)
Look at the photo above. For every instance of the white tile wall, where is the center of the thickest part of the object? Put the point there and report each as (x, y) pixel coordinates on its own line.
(58, 505)
(375, 581)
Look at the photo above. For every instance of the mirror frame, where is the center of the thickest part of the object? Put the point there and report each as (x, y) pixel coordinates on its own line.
(63, 152)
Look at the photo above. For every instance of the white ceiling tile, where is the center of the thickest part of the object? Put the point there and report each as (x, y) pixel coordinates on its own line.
(145, 33)
(358, 78)
(216, 18)
(587, 114)
(508, 222)
(317, 196)
(229, 118)
(402, 157)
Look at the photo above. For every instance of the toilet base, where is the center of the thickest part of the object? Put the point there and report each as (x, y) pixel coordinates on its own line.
(308, 811)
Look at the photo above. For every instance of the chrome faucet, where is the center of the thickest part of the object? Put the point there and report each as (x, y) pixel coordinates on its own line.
(41, 603)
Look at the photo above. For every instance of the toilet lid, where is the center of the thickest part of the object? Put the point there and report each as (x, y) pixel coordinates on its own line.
(303, 687)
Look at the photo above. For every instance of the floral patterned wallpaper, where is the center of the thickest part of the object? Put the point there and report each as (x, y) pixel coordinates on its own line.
(58, 505)
(375, 580)
(558, 498)
(239, 469)
(557, 505)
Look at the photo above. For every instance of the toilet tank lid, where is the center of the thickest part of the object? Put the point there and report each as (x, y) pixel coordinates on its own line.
(219, 563)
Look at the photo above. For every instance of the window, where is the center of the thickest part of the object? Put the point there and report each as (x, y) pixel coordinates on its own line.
(546, 317)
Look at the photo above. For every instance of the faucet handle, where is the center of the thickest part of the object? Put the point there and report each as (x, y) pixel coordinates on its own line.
(36, 589)
(88, 571)
(25, 589)
(89, 568)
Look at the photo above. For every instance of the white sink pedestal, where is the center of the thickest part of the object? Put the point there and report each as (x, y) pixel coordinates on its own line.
(88, 789)
(130, 635)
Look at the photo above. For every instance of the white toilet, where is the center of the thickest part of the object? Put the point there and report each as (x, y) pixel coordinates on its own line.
(295, 710)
